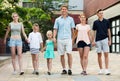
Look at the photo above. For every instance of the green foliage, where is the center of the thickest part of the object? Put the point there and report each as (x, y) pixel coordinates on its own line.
(40, 14)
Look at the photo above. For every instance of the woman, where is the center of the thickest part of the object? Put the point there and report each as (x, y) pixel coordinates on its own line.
(83, 42)
(15, 41)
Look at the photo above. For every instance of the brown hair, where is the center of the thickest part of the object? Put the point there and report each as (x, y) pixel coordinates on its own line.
(37, 25)
(64, 6)
(99, 10)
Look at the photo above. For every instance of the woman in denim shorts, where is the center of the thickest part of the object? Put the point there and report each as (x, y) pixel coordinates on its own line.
(15, 28)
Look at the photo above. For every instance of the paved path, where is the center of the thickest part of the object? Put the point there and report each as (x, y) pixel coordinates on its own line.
(6, 70)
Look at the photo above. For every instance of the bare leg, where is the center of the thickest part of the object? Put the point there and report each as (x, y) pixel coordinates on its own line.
(100, 60)
(49, 64)
(19, 51)
(36, 62)
(85, 57)
(13, 57)
(106, 60)
(63, 61)
(33, 58)
(81, 56)
(69, 60)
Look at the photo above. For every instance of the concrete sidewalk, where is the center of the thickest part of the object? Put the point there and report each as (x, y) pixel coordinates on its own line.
(6, 70)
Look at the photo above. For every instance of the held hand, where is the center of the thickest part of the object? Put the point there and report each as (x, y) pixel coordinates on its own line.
(42, 50)
(93, 44)
(27, 40)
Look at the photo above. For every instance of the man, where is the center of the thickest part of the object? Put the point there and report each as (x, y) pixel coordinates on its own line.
(64, 28)
(101, 28)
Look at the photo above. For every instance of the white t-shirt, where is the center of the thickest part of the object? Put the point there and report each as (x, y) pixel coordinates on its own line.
(35, 39)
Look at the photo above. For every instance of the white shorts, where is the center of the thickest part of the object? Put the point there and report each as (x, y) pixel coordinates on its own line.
(102, 45)
(64, 46)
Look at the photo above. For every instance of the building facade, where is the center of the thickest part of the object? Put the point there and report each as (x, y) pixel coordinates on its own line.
(111, 12)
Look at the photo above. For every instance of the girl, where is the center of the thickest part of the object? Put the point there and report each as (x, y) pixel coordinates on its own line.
(35, 40)
(49, 53)
(15, 41)
(83, 42)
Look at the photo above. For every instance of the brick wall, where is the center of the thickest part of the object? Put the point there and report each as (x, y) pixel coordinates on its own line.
(90, 6)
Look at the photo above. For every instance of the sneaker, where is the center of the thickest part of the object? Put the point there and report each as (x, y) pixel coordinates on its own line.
(69, 72)
(64, 72)
(37, 73)
(101, 72)
(48, 73)
(21, 73)
(14, 73)
(107, 72)
(83, 73)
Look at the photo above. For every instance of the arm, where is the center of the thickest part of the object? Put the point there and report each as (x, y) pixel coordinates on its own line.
(75, 32)
(93, 37)
(54, 34)
(6, 35)
(109, 37)
(23, 32)
(89, 35)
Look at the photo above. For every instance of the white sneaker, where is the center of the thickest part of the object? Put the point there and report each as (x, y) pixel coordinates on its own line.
(107, 72)
(14, 73)
(101, 72)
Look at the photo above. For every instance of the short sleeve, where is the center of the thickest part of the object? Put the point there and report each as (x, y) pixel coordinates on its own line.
(72, 23)
(56, 24)
(108, 24)
(41, 40)
(76, 27)
(29, 37)
(89, 27)
(94, 26)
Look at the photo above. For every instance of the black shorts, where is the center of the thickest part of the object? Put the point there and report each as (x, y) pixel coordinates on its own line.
(82, 44)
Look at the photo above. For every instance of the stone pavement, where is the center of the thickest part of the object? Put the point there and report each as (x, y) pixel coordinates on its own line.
(6, 70)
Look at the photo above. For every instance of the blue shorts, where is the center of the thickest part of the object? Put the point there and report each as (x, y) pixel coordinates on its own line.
(82, 44)
(15, 42)
(102, 45)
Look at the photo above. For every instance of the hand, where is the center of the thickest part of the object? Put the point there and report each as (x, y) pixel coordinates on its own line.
(109, 42)
(93, 44)
(42, 50)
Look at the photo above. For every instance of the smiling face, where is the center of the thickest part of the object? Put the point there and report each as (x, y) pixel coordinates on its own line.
(82, 18)
(64, 10)
(15, 17)
(35, 27)
(49, 34)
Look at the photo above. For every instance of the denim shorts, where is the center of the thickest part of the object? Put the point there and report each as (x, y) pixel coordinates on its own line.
(102, 45)
(15, 42)
(82, 44)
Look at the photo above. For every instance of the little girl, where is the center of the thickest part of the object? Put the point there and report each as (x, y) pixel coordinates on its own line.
(49, 53)
(35, 40)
